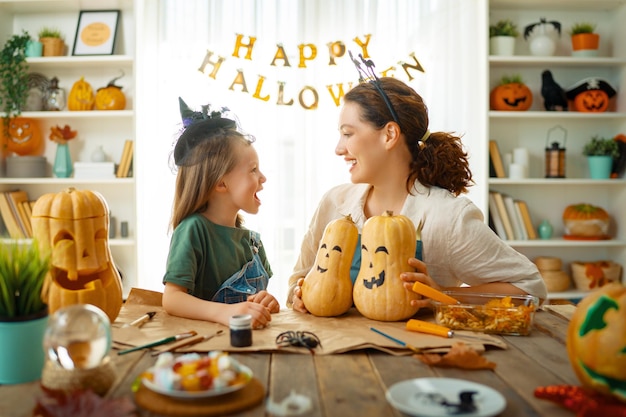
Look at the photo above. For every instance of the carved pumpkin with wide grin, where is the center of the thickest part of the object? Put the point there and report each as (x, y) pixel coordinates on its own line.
(511, 96)
(592, 101)
(24, 137)
(387, 243)
(596, 340)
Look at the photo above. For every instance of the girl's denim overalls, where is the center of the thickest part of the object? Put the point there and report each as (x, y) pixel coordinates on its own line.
(249, 280)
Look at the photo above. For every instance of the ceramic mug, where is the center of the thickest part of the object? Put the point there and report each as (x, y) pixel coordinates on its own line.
(34, 49)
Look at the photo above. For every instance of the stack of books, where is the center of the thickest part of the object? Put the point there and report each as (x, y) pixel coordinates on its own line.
(15, 213)
(510, 217)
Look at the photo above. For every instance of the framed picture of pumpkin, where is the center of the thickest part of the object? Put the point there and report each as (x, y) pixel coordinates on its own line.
(96, 32)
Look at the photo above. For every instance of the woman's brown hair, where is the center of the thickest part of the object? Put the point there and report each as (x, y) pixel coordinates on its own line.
(438, 158)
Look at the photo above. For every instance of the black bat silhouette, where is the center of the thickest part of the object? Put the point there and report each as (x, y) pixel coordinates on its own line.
(542, 21)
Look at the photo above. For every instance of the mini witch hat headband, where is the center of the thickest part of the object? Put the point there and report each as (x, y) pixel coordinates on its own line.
(367, 73)
(199, 126)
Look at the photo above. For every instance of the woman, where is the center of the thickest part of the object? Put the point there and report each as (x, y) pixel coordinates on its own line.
(397, 164)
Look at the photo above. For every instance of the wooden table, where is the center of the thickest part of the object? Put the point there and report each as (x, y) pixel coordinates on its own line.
(354, 384)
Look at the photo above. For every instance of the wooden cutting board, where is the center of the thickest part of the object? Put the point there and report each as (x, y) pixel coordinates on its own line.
(247, 397)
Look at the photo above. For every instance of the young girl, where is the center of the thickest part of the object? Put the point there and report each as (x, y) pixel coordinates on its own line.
(397, 164)
(216, 268)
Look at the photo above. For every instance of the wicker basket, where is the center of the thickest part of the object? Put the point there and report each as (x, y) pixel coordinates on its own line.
(556, 281)
(53, 46)
(592, 275)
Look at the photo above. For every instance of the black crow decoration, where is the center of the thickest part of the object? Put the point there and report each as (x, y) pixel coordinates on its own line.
(554, 98)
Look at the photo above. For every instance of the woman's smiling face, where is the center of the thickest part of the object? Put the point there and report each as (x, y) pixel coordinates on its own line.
(361, 145)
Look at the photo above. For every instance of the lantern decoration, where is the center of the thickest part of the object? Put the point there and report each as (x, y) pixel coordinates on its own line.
(327, 288)
(511, 95)
(73, 226)
(596, 341)
(387, 243)
(81, 96)
(111, 97)
(591, 95)
(23, 137)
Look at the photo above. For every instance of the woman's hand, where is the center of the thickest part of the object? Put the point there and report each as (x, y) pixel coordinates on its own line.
(266, 299)
(421, 275)
(298, 304)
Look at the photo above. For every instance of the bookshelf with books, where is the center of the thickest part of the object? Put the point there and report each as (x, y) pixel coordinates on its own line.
(546, 198)
(106, 130)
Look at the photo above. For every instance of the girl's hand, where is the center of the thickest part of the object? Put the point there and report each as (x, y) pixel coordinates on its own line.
(265, 299)
(298, 304)
(421, 275)
(261, 316)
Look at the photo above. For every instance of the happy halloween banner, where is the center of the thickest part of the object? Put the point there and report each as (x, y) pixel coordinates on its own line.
(282, 94)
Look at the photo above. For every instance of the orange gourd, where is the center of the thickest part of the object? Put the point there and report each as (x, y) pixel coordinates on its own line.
(327, 288)
(511, 96)
(81, 96)
(73, 226)
(110, 97)
(585, 220)
(387, 242)
(24, 137)
(596, 340)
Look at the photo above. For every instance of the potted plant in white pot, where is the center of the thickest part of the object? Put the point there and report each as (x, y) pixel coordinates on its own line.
(584, 41)
(502, 37)
(23, 311)
(600, 153)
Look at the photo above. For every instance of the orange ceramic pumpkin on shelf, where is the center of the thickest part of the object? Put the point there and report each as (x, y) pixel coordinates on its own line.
(591, 101)
(387, 242)
(511, 95)
(110, 97)
(327, 288)
(72, 226)
(81, 96)
(596, 340)
(24, 137)
(585, 221)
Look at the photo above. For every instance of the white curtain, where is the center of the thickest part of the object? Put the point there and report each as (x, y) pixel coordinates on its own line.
(295, 144)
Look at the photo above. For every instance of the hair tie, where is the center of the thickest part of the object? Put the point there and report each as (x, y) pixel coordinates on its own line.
(420, 143)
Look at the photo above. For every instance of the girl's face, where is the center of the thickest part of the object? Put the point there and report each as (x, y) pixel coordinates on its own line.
(361, 145)
(245, 180)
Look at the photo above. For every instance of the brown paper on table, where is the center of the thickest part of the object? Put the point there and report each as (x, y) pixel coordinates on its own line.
(347, 332)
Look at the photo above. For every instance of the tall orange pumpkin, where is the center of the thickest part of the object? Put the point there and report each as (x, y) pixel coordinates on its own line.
(327, 288)
(596, 340)
(387, 243)
(81, 96)
(73, 226)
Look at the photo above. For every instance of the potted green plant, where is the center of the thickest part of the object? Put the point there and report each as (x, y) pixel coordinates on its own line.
(23, 311)
(502, 37)
(600, 154)
(584, 41)
(52, 40)
(13, 76)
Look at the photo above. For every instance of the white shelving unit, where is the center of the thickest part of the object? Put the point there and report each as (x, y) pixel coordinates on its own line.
(106, 129)
(547, 198)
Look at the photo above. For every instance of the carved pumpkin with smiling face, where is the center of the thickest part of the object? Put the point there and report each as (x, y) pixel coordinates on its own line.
(327, 288)
(596, 340)
(387, 243)
(73, 226)
(511, 96)
(24, 137)
(591, 101)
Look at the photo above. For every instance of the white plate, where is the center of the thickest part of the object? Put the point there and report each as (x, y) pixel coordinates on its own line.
(415, 397)
(199, 394)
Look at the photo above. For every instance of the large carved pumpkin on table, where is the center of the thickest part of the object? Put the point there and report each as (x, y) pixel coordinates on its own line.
(23, 137)
(511, 95)
(596, 340)
(387, 243)
(73, 226)
(327, 288)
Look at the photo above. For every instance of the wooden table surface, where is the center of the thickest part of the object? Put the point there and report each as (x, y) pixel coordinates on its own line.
(354, 384)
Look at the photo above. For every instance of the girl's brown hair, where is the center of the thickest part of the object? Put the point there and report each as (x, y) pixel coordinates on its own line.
(437, 160)
(204, 165)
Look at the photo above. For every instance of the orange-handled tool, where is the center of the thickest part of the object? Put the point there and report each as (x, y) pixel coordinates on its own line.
(430, 328)
(430, 292)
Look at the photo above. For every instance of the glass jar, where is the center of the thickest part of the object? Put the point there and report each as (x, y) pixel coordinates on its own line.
(55, 96)
(241, 330)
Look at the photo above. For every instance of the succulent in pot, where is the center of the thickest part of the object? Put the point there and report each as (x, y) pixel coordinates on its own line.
(599, 146)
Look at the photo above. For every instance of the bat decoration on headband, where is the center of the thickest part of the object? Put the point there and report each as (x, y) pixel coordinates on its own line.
(189, 116)
(367, 69)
